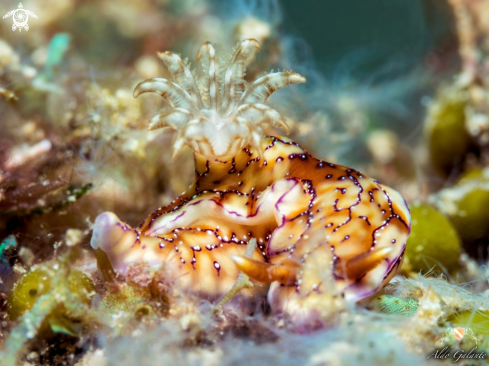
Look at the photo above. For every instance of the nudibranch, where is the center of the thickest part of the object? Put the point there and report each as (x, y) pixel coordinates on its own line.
(312, 221)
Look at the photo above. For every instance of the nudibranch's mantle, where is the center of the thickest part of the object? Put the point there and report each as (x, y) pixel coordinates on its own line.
(318, 226)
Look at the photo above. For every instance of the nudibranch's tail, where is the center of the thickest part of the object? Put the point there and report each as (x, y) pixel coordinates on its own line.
(123, 244)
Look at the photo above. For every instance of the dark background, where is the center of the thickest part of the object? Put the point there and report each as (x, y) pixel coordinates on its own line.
(412, 30)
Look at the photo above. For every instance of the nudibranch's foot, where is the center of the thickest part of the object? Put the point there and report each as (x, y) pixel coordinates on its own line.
(306, 311)
(307, 290)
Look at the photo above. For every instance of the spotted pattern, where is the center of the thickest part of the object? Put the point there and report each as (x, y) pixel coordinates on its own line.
(298, 208)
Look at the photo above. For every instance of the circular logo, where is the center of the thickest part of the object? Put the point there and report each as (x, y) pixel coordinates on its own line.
(20, 18)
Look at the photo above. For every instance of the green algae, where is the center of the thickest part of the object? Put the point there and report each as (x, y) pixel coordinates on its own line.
(390, 304)
(447, 137)
(478, 321)
(472, 216)
(476, 325)
(52, 297)
(38, 282)
(433, 241)
(466, 206)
